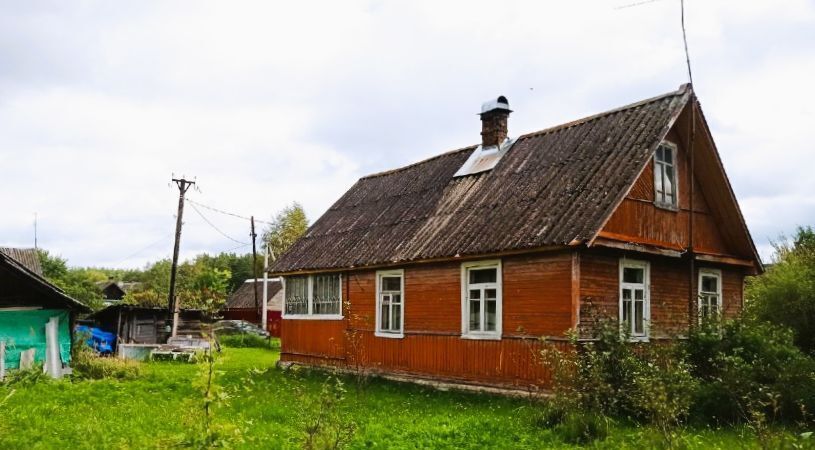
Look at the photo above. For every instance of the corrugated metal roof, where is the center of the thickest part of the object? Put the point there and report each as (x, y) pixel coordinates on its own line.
(551, 188)
(244, 296)
(40, 282)
(28, 257)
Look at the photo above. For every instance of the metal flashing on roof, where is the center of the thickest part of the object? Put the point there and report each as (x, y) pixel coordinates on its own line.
(483, 159)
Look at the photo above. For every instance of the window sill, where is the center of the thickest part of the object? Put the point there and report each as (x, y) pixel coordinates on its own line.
(389, 335)
(313, 317)
(667, 206)
(638, 339)
(482, 337)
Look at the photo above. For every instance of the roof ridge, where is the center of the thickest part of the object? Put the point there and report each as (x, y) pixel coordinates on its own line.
(683, 89)
(426, 160)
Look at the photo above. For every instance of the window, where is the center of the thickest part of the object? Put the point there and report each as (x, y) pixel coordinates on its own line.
(665, 187)
(313, 296)
(390, 303)
(710, 293)
(481, 300)
(635, 310)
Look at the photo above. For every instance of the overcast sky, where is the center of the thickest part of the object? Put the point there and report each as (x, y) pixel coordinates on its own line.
(267, 103)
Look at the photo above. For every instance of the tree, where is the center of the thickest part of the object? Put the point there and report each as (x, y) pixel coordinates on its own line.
(785, 294)
(77, 283)
(288, 225)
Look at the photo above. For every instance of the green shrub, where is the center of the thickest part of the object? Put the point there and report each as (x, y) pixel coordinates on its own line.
(87, 364)
(749, 368)
(248, 340)
(27, 377)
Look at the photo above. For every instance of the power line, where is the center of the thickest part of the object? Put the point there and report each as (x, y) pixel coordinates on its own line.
(192, 204)
(162, 239)
(631, 5)
(227, 213)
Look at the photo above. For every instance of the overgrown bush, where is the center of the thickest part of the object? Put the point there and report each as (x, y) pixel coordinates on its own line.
(324, 419)
(27, 377)
(785, 294)
(750, 371)
(87, 364)
(612, 377)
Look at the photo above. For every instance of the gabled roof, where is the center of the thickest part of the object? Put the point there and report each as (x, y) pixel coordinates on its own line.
(28, 257)
(244, 295)
(38, 283)
(554, 187)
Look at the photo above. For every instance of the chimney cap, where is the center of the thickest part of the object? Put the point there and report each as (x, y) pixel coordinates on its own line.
(501, 103)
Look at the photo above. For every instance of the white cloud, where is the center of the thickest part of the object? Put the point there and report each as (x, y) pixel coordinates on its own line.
(271, 102)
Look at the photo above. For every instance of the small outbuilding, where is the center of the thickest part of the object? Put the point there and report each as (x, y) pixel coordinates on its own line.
(133, 324)
(241, 304)
(36, 317)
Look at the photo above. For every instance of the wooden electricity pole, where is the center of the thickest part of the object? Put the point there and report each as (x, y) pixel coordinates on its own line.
(172, 305)
(255, 267)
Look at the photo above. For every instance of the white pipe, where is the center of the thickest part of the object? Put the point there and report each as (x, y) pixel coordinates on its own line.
(265, 313)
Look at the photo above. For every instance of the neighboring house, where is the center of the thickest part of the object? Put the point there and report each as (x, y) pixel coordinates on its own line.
(241, 304)
(134, 324)
(453, 267)
(36, 317)
(115, 291)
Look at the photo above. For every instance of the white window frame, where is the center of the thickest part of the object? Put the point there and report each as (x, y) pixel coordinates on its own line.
(646, 286)
(710, 273)
(675, 166)
(389, 333)
(465, 304)
(310, 301)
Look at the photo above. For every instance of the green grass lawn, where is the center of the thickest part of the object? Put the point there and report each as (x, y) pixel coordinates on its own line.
(267, 408)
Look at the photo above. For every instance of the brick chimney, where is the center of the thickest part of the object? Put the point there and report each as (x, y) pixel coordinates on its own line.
(494, 115)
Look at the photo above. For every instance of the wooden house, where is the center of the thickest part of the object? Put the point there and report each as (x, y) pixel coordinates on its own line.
(240, 305)
(36, 317)
(452, 268)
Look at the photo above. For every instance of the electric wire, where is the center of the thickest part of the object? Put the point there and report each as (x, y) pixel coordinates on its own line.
(216, 228)
(227, 213)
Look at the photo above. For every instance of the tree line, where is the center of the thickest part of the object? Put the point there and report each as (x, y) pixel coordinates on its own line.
(203, 282)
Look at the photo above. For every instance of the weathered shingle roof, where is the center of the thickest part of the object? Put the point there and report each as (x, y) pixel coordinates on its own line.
(244, 296)
(38, 282)
(28, 257)
(553, 187)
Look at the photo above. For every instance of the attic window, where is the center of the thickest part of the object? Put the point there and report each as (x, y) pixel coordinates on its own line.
(483, 159)
(665, 186)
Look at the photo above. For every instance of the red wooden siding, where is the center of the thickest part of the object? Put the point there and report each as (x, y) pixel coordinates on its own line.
(638, 220)
(599, 291)
(537, 301)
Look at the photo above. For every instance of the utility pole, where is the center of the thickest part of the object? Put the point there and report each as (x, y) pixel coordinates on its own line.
(255, 266)
(264, 316)
(183, 186)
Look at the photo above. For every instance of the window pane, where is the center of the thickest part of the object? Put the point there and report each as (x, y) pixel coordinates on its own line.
(639, 294)
(384, 317)
(633, 275)
(490, 315)
(638, 317)
(475, 315)
(396, 299)
(659, 171)
(659, 155)
(296, 295)
(489, 294)
(710, 284)
(475, 294)
(396, 313)
(667, 154)
(626, 305)
(669, 181)
(391, 283)
(326, 293)
(483, 275)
